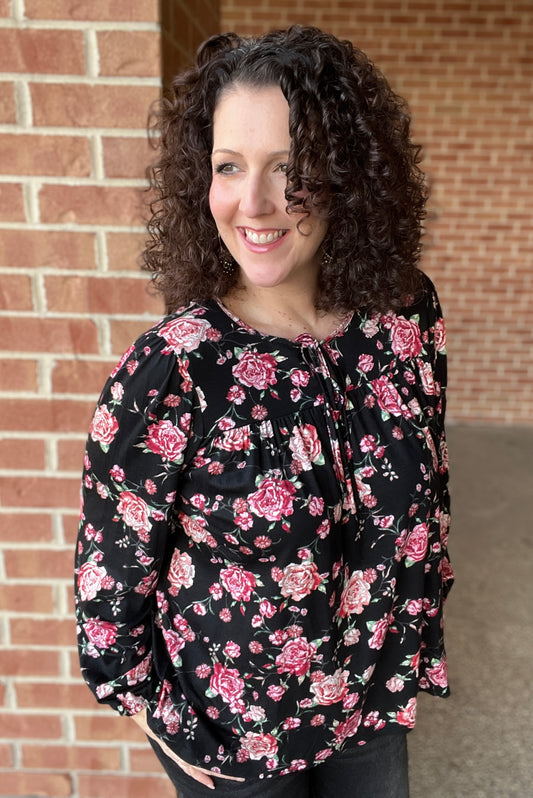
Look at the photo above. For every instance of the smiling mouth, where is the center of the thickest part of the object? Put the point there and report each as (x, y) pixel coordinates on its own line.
(263, 238)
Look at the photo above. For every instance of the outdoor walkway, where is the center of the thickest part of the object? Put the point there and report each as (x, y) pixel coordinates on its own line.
(479, 742)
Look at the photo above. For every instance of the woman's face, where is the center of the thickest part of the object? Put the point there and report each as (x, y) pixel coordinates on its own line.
(251, 145)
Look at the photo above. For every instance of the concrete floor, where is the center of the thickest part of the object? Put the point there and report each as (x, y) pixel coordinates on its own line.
(479, 742)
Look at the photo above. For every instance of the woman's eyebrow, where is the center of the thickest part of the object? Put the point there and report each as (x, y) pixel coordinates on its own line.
(223, 150)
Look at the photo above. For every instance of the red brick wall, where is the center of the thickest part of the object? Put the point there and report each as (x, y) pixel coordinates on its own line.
(466, 69)
(77, 78)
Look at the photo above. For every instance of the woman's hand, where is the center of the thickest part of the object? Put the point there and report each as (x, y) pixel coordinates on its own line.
(199, 774)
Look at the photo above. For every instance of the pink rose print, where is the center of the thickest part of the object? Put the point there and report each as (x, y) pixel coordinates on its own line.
(238, 582)
(379, 632)
(395, 684)
(407, 715)
(90, 578)
(104, 426)
(122, 360)
(365, 363)
(296, 657)
(131, 703)
(299, 580)
(102, 634)
(405, 336)
(305, 446)
(272, 499)
(166, 440)
(174, 643)
(329, 689)
(140, 672)
(415, 547)
(181, 572)
(184, 333)
(389, 399)
(227, 683)
(134, 512)
(256, 370)
(276, 692)
(257, 746)
(348, 728)
(440, 335)
(300, 378)
(355, 596)
(438, 673)
(234, 440)
(426, 377)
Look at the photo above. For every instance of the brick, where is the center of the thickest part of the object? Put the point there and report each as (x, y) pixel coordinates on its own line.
(27, 598)
(39, 632)
(50, 249)
(30, 527)
(78, 105)
(48, 415)
(37, 695)
(81, 376)
(100, 294)
(39, 564)
(100, 786)
(22, 662)
(15, 292)
(39, 491)
(49, 335)
(126, 157)
(132, 53)
(45, 155)
(107, 726)
(58, 785)
(43, 51)
(98, 205)
(18, 375)
(71, 757)
(70, 455)
(20, 453)
(124, 250)
(123, 333)
(38, 725)
(98, 10)
(11, 203)
(8, 112)
(143, 760)
(6, 756)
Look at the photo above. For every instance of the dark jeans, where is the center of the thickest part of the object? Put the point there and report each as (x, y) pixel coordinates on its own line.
(376, 770)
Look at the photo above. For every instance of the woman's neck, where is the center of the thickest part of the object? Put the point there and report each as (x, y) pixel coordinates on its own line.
(284, 313)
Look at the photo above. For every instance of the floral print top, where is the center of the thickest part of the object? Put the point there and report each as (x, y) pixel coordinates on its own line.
(261, 559)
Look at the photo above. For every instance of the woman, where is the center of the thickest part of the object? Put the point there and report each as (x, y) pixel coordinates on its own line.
(261, 561)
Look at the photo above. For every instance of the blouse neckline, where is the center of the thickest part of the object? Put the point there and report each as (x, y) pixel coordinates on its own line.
(303, 339)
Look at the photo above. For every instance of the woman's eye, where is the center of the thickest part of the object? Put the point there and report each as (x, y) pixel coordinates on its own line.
(283, 168)
(225, 168)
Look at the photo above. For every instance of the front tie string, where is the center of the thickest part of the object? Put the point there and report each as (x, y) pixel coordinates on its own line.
(332, 379)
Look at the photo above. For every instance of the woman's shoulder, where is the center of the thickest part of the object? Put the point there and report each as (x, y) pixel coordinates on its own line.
(175, 336)
(424, 303)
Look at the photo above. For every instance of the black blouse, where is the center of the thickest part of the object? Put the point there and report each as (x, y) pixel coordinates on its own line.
(261, 559)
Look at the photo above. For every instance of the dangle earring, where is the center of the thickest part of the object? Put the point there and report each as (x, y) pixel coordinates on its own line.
(326, 258)
(226, 261)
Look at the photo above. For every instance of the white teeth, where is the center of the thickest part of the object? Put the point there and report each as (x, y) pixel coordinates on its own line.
(263, 238)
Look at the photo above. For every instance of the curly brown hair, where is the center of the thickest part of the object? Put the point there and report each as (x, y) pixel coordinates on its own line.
(350, 152)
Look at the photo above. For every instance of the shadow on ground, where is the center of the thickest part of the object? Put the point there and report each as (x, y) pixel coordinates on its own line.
(479, 742)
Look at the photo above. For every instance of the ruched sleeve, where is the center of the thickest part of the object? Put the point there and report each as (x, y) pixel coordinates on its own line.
(139, 439)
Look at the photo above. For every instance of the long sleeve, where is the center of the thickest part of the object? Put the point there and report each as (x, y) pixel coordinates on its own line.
(139, 439)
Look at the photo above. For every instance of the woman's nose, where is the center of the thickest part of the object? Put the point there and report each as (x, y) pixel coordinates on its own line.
(256, 198)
